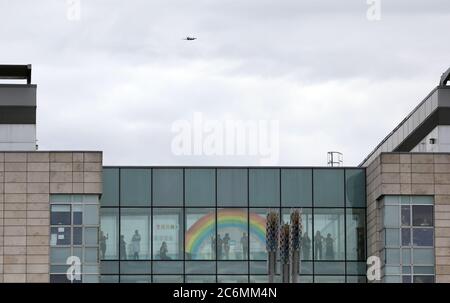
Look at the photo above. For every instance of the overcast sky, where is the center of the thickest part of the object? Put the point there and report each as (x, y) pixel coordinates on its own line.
(118, 79)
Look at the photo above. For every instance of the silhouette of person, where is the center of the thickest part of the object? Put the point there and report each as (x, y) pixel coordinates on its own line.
(102, 243)
(318, 246)
(244, 244)
(226, 246)
(136, 244)
(163, 250)
(329, 251)
(123, 248)
(306, 246)
(219, 247)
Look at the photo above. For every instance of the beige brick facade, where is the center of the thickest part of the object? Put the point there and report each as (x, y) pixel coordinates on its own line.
(412, 174)
(26, 181)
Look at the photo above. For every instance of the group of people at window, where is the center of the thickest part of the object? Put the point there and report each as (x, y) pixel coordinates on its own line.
(133, 249)
(321, 244)
(222, 245)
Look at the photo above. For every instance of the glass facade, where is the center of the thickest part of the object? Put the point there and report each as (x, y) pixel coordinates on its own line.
(208, 224)
(408, 239)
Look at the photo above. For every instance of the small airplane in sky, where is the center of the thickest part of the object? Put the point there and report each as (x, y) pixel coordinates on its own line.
(189, 38)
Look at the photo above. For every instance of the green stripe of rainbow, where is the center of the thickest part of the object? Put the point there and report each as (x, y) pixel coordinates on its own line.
(203, 229)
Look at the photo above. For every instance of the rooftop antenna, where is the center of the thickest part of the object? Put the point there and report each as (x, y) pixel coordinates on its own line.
(334, 159)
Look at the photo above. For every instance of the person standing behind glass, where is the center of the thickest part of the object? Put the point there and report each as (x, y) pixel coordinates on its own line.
(163, 250)
(244, 244)
(306, 247)
(329, 250)
(318, 246)
(219, 247)
(226, 246)
(136, 244)
(123, 248)
(102, 243)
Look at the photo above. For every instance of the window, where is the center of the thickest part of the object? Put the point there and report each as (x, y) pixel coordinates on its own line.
(110, 196)
(167, 279)
(109, 267)
(329, 268)
(329, 279)
(356, 234)
(77, 236)
(406, 236)
(135, 187)
(60, 215)
(167, 233)
(392, 237)
(90, 236)
(200, 187)
(90, 214)
(355, 187)
(232, 187)
(423, 279)
(200, 279)
(306, 238)
(200, 242)
(232, 234)
(423, 236)
(135, 267)
(333, 181)
(422, 215)
(167, 267)
(406, 215)
(60, 236)
(232, 279)
(258, 233)
(78, 214)
(233, 267)
(391, 216)
(109, 234)
(423, 256)
(167, 187)
(134, 243)
(200, 267)
(135, 279)
(392, 256)
(296, 187)
(264, 187)
(329, 234)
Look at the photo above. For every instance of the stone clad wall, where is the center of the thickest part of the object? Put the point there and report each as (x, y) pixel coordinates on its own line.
(412, 174)
(26, 181)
